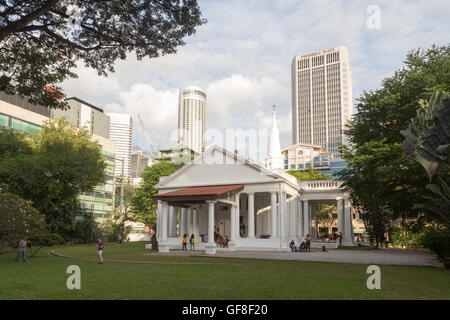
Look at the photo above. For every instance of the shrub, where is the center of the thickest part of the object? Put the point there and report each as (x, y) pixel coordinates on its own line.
(437, 240)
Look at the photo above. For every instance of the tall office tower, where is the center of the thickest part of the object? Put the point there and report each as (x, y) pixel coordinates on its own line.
(192, 118)
(321, 97)
(120, 131)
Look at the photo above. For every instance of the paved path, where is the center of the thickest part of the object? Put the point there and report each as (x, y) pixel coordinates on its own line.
(381, 256)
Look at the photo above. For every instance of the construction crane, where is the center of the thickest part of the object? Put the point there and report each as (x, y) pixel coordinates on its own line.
(147, 137)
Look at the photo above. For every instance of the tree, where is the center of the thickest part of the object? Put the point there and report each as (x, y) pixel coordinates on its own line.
(18, 219)
(144, 207)
(324, 216)
(59, 163)
(309, 174)
(427, 140)
(42, 40)
(382, 182)
(125, 213)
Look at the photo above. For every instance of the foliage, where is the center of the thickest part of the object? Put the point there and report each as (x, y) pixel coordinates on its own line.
(46, 38)
(112, 229)
(427, 140)
(383, 184)
(309, 174)
(324, 216)
(125, 213)
(18, 219)
(407, 234)
(437, 239)
(378, 187)
(144, 207)
(86, 229)
(56, 165)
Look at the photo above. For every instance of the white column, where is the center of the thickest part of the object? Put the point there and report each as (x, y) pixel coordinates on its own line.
(340, 216)
(348, 225)
(233, 224)
(305, 218)
(171, 222)
(251, 216)
(189, 221)
(283, 212)
(182, 228)
(210, 246)
(299, 220)
(158, 220)
(163, 245)
(194, 222)
(238, 235)
(273, 214)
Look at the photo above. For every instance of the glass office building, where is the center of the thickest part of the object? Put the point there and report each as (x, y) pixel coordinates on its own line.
(30, 119)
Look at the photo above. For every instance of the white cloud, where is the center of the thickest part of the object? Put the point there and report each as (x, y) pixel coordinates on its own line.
(242, 58)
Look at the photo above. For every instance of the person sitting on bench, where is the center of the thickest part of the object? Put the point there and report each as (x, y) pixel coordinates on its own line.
(303, 244)
(292, 245)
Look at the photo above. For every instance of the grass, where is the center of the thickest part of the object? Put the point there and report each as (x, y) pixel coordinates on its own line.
(44, 277)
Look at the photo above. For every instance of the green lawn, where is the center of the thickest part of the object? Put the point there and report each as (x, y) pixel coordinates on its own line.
(44, 277)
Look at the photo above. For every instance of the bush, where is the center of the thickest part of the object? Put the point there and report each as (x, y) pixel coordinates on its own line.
(437, 240)
(112, 229)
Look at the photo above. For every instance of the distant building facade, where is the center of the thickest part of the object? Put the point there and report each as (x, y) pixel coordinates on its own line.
(178, 153)
(321, 97)
(85, 114)
(302, 156)
(139, 161)
(192, 117)
(120, 131)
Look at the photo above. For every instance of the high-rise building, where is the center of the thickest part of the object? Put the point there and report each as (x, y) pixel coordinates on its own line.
(120, 131)
(192, 118)
(139, 161)
(84, 114)
(321, 97)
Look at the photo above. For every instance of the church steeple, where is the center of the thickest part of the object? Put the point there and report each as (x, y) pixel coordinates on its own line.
(274, 159)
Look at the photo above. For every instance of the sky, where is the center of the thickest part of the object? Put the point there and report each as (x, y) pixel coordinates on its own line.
(242, 58)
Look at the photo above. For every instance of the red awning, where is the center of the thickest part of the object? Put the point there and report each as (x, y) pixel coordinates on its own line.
(198, 194)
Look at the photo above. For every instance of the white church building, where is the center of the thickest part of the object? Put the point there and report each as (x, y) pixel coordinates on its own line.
(256, 207)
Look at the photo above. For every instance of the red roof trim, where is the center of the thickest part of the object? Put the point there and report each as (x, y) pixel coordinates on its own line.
(199, 193)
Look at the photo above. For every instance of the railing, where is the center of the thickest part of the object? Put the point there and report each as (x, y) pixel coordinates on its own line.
(320, 184)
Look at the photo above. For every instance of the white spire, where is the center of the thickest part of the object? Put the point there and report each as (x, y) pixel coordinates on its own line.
(274, 159)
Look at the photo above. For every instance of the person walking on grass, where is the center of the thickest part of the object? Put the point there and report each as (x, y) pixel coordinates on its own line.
(192, 241)
(119, 241)
(184, 241)
(21, 250)
(100, 250)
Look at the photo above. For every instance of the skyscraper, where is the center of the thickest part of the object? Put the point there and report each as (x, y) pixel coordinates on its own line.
(120, 131)
(192, 118)
(321, 97)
